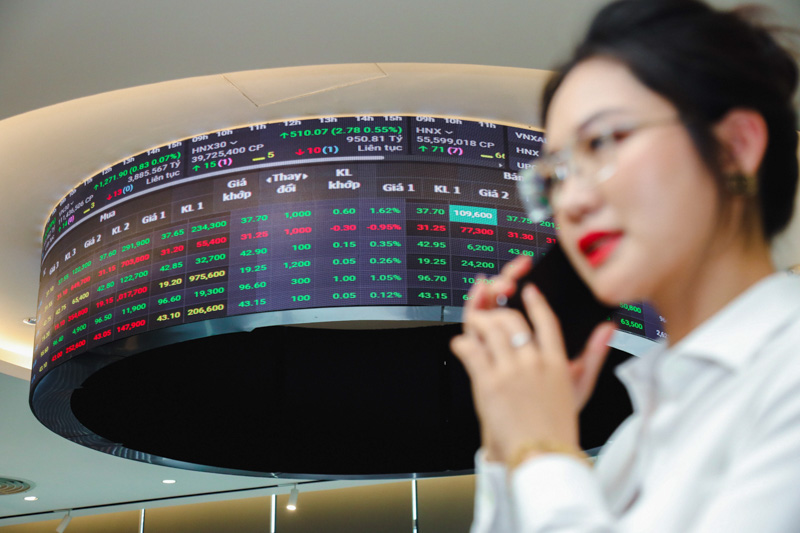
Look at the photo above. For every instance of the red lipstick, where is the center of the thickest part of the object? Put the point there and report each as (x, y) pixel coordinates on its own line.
(596, 246)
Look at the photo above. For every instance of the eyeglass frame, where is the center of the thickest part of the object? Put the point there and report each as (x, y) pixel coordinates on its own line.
(534, 198)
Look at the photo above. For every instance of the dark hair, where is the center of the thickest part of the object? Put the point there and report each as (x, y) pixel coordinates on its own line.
(706, 62)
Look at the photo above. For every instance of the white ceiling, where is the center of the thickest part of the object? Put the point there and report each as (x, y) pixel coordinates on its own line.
(52, 53)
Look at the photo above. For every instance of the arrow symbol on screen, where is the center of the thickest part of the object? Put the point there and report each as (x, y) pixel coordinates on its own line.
(196, 168)
(299, 151)
(234, 142)
(423, 148)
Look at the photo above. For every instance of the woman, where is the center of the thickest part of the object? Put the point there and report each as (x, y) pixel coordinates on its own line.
(672, 162)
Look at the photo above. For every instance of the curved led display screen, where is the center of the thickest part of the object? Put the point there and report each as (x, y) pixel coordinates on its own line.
(355, 211)
(321, 220)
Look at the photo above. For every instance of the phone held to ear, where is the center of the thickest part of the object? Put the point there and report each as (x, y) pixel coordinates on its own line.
(572, 301)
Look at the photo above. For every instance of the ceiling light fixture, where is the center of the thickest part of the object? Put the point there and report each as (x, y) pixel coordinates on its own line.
(414, 502)
(292, 505)
(273, 517)
(64, 522)
(168, 481)
(30, 498)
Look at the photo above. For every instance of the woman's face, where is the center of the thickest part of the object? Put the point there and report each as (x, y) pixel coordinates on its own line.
(645, 229)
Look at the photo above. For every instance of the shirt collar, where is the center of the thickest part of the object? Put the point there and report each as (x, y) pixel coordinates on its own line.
(733, 335)
(730, 338)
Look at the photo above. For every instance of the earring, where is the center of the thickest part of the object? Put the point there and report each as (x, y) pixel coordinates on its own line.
(741, 184)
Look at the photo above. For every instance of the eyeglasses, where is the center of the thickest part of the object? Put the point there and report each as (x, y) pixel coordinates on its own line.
(591, 158)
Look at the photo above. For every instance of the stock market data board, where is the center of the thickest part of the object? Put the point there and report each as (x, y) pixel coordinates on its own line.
(329, 212)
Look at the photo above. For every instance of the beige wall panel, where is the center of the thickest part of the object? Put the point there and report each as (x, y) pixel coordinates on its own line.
(127, 522)
(445, 504)
(382, 508)
(250, 515)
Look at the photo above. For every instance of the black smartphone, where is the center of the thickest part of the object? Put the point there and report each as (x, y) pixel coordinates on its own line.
(572, 301)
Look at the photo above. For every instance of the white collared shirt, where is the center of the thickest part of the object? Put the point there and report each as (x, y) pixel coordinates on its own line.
(713, 443)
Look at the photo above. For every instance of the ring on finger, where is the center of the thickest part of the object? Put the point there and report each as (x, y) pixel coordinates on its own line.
(518, 340)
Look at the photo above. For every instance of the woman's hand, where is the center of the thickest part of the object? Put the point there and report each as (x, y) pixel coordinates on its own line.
(486, 292)
(525, 389)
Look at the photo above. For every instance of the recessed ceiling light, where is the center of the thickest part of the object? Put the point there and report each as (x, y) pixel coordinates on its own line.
(168, 481)
(30, 498)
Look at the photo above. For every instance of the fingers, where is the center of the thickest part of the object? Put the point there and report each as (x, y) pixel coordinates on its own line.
(548, 328)
(485, 292)
(596, 350)
(598, 340)
(494, 339)
(471, 353)
(517, 267)
(477, 294)
(504, 331)
(507, 336)
(588, 365)
(511, 273)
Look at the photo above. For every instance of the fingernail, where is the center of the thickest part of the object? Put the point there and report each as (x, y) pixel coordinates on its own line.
(530, 291)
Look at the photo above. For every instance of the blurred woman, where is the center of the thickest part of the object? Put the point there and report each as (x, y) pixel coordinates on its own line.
(671, 163)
